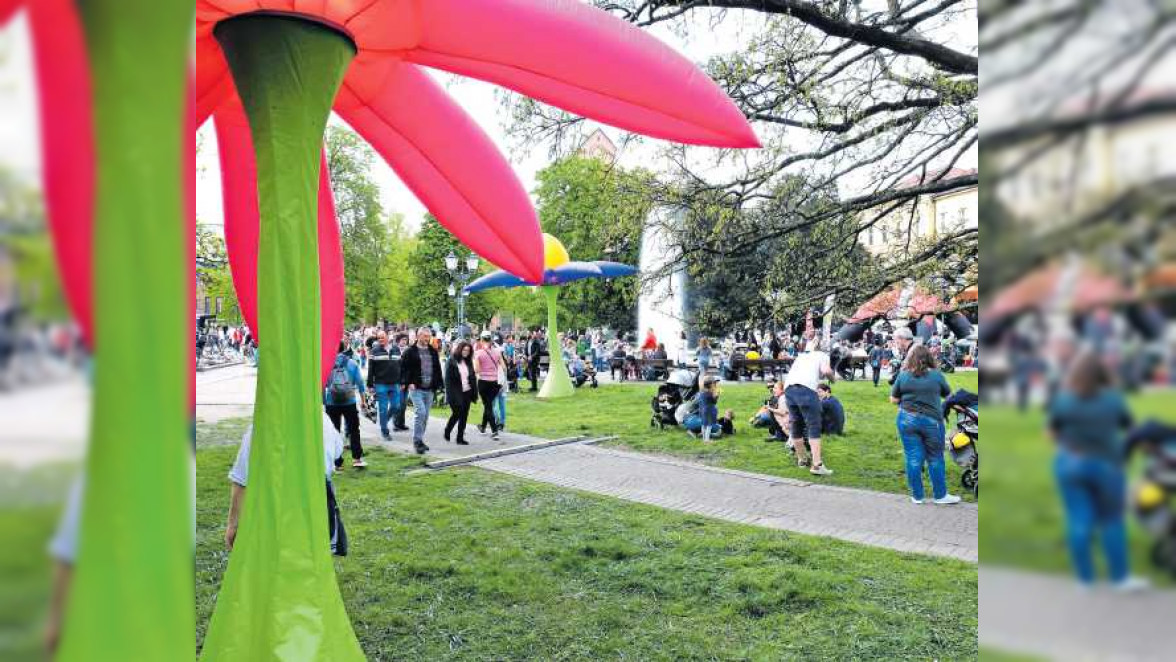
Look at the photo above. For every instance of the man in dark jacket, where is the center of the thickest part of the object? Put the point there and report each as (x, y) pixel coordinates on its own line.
(832, 412)
(383, 378)
(534, 351)
(420, 372)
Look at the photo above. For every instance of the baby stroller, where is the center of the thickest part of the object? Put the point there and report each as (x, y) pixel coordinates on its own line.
(586, 375)
(961, 442)
(1153, 497)
(681, 386)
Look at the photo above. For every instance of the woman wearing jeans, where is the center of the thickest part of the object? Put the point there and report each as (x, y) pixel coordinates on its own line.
(1087, 419)
(919, 392)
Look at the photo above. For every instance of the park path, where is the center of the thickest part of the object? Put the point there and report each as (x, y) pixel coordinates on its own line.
(859, 516)
(1048, 616)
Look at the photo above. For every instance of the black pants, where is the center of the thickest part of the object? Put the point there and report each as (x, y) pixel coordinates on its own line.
(349, 413)
(459, 415)
(533, 372)
(488, 391)
(877, 370)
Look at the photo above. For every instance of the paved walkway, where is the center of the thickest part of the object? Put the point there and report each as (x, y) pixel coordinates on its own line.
(860, 516)
(45, 423)
(1048, 616)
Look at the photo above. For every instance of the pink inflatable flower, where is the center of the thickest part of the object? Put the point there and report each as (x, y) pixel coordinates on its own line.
(561, 52)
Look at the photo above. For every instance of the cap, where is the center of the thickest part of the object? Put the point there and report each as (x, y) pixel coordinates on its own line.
(486, 335)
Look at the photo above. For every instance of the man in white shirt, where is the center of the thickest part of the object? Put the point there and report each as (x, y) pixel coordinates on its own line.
(804, 405)
(239, 474)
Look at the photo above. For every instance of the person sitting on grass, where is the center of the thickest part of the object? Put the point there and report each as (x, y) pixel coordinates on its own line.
(832, 412)
(773, 415)
(706, 419)
(727, 422)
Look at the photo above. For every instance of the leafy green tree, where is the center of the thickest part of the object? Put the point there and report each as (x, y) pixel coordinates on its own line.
(212, 269)
(598, 211)
(368, 234)
(429, 298)
(779, 278)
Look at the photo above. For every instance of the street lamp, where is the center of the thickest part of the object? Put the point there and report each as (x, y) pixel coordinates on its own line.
(461, 278)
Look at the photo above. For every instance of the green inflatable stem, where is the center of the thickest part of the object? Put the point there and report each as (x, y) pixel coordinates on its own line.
(132, 590)
(279, 599)
(558, 384)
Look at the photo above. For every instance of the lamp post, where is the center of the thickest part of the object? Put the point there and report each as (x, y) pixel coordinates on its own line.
(460, 271)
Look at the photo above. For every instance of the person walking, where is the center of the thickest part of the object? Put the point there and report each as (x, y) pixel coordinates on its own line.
(488, 362)
(704, 355)
(400, 404)
(919, 391)
(420, 368)
(339, 399)
(804, 405)
(534, 350)
(460, 390)
(503, 387)
(383, 378)
(1087, 419)
(877, 353)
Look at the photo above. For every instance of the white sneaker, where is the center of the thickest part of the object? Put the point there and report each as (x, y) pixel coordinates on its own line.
(821, 470)
(948, 500)
(1132, 585)
(917, 502)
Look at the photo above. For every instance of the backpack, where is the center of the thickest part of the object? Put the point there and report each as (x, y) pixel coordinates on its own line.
(339, 387)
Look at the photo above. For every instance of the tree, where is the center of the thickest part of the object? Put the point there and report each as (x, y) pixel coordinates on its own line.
(598, 211)
(840, 96)
(429, 299)
(780, 278)
(212, 269)
(368, 234)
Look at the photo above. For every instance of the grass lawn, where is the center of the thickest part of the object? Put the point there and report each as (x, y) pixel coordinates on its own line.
(30, 502)
(466, 564)
(868, 456)
(1021, 523)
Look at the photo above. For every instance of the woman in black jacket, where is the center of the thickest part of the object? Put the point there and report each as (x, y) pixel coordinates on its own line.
(460, 391)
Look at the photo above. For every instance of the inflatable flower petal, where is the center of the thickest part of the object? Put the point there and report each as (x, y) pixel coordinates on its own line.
(562, 52)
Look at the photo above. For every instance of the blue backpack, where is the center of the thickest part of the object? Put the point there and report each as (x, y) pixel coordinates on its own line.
(340, 390)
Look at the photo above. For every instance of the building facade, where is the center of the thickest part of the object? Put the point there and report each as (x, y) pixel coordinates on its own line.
(894, 231)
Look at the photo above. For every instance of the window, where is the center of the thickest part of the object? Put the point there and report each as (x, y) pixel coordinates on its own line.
(962, 218)
(942, 221)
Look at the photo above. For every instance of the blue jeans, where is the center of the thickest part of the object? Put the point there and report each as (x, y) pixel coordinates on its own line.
(922, 443)
(500, 407)
(422, 402)
(387, 401)
(693, 423)
(1094, 493)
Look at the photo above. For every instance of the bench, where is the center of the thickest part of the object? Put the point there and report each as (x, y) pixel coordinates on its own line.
(744, 367)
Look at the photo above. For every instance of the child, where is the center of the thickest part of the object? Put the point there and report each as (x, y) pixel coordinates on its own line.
(727, 422)
(708, 407)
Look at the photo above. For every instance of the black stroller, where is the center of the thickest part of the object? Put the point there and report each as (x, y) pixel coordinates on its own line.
(961, 442)
(1155, 493)
(681, 386)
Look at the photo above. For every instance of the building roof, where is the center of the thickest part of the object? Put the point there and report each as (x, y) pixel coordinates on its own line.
(936, 175)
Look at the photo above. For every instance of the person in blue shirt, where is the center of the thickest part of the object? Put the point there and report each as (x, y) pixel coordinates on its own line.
(919, 391)
(1087, 419)
(706, 418)
(339, 400)
(832, 411)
